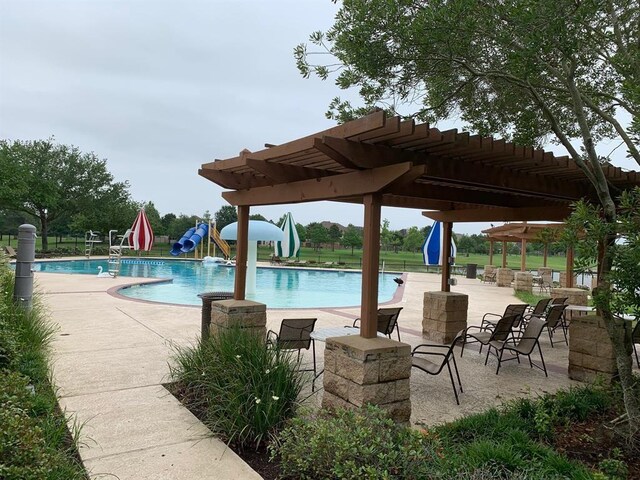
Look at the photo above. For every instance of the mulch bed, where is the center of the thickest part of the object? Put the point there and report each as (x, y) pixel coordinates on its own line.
(588, 442)
(592, 441)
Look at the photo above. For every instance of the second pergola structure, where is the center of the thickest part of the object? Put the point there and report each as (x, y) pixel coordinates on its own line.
(378, 161)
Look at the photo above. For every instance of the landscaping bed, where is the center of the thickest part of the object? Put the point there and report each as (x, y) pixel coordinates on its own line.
(35, 443)
(230, 386)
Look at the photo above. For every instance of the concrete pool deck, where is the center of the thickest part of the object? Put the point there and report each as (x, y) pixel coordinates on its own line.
(111, 357)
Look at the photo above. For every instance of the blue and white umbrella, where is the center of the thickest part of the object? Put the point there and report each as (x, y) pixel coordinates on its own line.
(432, 247)
(290, 244)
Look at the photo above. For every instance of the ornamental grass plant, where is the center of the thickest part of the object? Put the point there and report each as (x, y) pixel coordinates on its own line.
(35, 442)
(242, 390)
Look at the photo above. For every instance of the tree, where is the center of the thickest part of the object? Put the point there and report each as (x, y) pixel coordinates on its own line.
(525, 70)
(385, 234)
(302, 232)
(352, 238)
(317, 234)
(257, 216)
(225, 216)
(334, 235)
(52, 181)
(166, 222)
(413, 240)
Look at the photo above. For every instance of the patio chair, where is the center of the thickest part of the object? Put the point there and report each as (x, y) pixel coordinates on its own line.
(524, 346)
(295, 334)
(502, 331)
(10, 251)
(636, 340)
(387, 321)
(545, 286)
(540, 310)
(489, 277)
(559, 300)
(443, 357)
(555, 320)
(518, 309)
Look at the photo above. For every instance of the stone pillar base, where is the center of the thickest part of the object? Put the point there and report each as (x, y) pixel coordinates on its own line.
(243, 313)
(504, 277)
(444, 314)
(563, 280)
(590, 350)
(547, 275)
(359, 371)
(575, 296)
(523, 282)
(489, 269)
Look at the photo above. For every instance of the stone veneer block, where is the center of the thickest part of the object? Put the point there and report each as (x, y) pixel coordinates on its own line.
(563, 280)
(504, 277)
(364, 371)
(489, 269)
(243, 313)
(547, 274)
(444, 314)
(523, 282)
(590, 350)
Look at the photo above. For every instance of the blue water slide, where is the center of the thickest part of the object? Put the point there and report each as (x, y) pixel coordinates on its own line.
(177, 247)
(193, 241)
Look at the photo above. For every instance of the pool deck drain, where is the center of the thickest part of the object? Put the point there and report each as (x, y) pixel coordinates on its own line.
(111, 357)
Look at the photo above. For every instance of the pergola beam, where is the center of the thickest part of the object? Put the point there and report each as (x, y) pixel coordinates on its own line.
(284, 173)
(326, 188)
(234, 181)
(502, 214)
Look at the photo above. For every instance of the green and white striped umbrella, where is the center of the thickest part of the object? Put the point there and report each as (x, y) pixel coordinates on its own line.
(290, 244)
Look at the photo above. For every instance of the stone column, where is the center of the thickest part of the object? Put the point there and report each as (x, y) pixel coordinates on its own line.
(563, 279)
(547, 275)
(444, 314)
(360, 371)
(523, 282)
(504, 277)
(243, 313)
(590, 350)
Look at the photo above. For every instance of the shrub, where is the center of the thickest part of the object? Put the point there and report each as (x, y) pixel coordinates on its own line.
(243, 391)
(355, 444)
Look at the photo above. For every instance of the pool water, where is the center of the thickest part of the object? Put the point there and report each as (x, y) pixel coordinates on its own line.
(276, 287)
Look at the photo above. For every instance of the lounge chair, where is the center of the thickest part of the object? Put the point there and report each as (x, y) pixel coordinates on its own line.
(489, 320)
(10, 251)
(295, 334)
(275, 260)
(502, 331)
(387, 321)
(540, 310)
(558, 300)
(555, 320)
(444, 355)
(524, 346)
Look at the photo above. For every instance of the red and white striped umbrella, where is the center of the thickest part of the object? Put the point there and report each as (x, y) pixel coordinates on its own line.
(141, 236)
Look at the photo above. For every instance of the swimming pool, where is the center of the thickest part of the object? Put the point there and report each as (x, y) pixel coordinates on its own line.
(276, 287)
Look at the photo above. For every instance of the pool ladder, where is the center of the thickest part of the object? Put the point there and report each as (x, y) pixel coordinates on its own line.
(115, 252)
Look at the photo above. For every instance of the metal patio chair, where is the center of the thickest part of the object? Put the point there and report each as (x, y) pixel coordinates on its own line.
(387, 321)
(295, 334)
(502, 331)
(555, 320)
(517, 309)
(441, 358)
(524, 346)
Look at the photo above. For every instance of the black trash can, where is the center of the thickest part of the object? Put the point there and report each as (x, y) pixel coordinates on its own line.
(207, 298)
(472, 270)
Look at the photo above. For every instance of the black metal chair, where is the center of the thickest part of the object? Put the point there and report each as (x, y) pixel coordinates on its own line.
(517, 309)
(502, 331)
(524, 346)
(555, 320)
(387, 321)
(444, 358)
(295, 334)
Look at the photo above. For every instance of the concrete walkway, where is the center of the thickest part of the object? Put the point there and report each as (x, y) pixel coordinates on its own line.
(111, 357)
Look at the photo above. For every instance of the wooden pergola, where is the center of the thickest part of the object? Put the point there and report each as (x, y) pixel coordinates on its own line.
(376, 161)
(519, 232)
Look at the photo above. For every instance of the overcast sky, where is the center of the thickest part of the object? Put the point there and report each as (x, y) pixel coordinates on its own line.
(160, 87)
